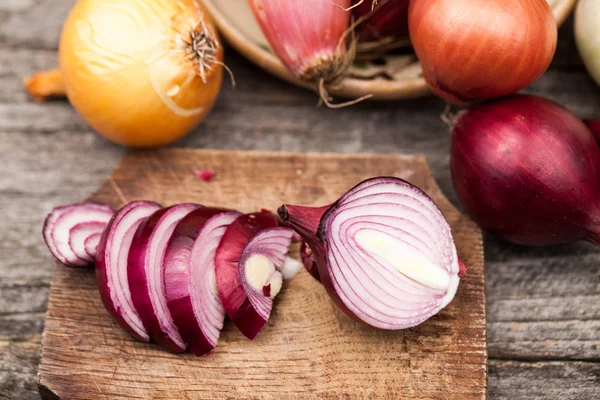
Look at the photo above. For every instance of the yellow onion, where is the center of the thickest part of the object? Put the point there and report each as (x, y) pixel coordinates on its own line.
(141, 73)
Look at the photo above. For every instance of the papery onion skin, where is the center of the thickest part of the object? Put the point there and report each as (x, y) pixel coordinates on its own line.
(527, 170)
(482, 49)
(229, 284)
(587, 35)
(307, 35)
(146, 278)
(126, 71)
(111, 245)
(388, 20)
(182, 282)
(321, 241)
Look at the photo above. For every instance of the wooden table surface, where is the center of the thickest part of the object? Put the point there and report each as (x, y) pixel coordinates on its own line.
(543, 304)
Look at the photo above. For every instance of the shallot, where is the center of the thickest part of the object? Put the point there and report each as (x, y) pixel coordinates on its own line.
(594, 127)
(384, 252)
(309, 37)
(388, 19)
(527, 170)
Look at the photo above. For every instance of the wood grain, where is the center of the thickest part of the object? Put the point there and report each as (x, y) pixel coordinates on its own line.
(309, 350)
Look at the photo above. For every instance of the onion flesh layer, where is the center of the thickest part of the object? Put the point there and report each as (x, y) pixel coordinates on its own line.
(146, 275)
(190, 281)
(112, 267)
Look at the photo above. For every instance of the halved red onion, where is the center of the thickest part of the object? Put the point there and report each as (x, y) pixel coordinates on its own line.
(111, 265)
(248, 269)
(189, 275)
(384, 252)
(146, 278)
(64, 222)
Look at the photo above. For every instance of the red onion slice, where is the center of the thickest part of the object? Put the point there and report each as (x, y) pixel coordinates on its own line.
(111, 265)
(91, 244)
(146, 278)
(189, 274)
(60, 222)
(80, 233)
(384, 252)
(248, 264)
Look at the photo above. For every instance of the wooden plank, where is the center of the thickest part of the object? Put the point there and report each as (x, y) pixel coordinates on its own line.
(310, 349)
(544, 380)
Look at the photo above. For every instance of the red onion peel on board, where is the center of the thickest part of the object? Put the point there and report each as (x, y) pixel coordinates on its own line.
(190, 281)
(384, 252)
(111, 265)
(146, 277)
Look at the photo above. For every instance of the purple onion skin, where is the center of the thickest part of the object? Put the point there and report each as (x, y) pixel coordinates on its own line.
(527, 170)
(139, 282)
(181, 307)
(594, 127)
(236, 303)
(388, 20)
(101, 274)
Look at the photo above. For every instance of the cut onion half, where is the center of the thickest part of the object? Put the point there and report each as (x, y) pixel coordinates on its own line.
(111, 265)
(66, 229)
(146, 278)
(189, 275)
(384, 252)
(248, 263)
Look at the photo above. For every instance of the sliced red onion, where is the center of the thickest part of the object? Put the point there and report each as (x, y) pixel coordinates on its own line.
(384, 252)
(80, 233)
(91, 244)
(146, 278)
(61, 223)
(189, 275)
(111, 265)
(248, 269)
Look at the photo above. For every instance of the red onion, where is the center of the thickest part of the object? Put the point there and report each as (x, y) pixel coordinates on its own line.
(476, 50)
(189, 275)
(248, 264)
(111, 265)
(307, 36)
(146, 275)
(594, 127)
(384, 252)
(387, 19)
(527, 170)
(67, 228)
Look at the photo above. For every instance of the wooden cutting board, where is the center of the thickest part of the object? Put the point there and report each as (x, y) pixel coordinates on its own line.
(309, 349)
